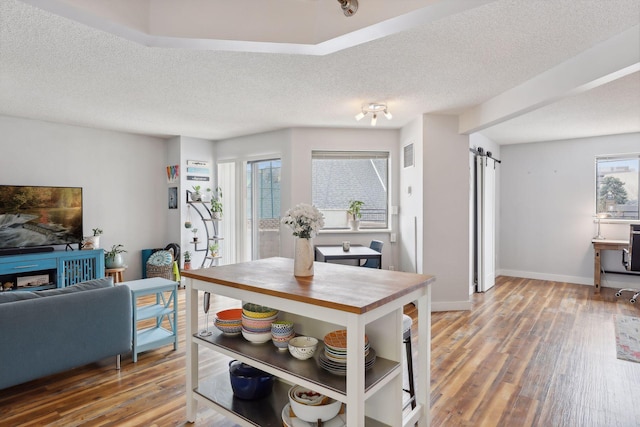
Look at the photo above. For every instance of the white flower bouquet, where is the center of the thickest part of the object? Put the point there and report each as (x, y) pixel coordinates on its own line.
(305, 220)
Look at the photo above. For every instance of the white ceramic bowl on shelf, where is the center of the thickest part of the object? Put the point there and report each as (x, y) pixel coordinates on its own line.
(324, 409)
(256, 338)
(302, 347)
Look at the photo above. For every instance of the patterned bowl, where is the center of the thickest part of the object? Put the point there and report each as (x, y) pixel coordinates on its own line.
(282, 327)
(228, 330)
(230, 315)
(257, 311)
(302, 347)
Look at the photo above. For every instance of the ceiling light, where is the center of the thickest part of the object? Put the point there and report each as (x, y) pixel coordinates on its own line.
(349, 7)
(374, 108)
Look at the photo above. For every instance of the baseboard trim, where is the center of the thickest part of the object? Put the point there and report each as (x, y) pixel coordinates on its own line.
(546, 276)
(606, 280)
(450, 306)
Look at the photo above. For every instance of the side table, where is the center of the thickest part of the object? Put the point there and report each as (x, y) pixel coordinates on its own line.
(116, 273)
(166, 305)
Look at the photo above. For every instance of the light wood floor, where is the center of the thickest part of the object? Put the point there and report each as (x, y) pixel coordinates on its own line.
(529, 353)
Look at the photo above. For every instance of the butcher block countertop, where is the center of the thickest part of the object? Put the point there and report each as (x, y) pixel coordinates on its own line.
(341, 287)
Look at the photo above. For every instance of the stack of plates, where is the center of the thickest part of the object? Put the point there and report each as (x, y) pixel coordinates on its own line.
(334, 356)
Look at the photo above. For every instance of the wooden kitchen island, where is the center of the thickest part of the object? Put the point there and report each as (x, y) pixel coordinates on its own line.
(360, 300)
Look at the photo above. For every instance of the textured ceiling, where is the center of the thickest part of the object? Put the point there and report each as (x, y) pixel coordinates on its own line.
(53, 68)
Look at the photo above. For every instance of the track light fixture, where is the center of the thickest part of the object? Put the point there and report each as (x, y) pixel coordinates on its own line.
(374, 108)
(349, 7)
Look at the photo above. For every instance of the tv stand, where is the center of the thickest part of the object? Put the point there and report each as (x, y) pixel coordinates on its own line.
(63, 267)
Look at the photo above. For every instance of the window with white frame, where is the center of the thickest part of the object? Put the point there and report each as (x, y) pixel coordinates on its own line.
(339, 177)
(618, 186)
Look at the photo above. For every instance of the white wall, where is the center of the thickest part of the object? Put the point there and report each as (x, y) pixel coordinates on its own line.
(303, 142)
(294, 146)
(547, 208)
(123, 177)
(446, 211)
(411, 199)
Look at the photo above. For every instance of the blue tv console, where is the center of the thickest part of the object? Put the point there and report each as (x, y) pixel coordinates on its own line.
(62, 268)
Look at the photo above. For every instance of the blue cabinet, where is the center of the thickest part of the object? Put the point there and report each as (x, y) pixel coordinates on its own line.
(47, 270)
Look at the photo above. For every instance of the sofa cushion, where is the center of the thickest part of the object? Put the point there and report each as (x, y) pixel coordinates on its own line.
(11, 296)
(104, 282)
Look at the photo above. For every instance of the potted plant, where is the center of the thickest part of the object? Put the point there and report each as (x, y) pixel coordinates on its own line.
(214, 248)
(92, 242)
(195, 195)
(216, 204)
(113, 258)
(354, 212)
(187, 260)
(195, 236)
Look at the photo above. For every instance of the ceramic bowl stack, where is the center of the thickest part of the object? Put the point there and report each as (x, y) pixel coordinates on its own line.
(256, 322)
(311, 406)
(281, 332)
(229, 321)
(334, 356)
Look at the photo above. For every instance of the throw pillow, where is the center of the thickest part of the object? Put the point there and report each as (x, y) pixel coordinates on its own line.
(161, 258)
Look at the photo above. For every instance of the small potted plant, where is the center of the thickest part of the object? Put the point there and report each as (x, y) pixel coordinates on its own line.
(92, 242)
(216, 203)
(214, 248)
(354, 212)
(113, 258)
(196, 196)
(187, 260)
(195, 235)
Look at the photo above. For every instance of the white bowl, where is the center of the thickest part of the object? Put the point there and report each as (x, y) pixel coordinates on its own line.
(312, 413)
(302, 347)
(256, 338)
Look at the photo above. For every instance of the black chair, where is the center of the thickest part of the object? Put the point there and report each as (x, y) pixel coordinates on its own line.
(631, 259)
(376, 245)
(406, 340)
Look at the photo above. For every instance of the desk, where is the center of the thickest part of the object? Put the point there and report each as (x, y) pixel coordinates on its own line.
(116, 273)
(604, 245)
(329, 252)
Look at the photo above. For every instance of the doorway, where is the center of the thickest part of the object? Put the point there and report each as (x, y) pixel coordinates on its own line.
(263, 208)
(484, 218)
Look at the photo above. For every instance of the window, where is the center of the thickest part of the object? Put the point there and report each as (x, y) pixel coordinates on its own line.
(618, 186)
(341, 176)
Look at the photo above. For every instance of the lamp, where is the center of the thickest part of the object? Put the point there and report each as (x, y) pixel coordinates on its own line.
(374, 108)
(599, 217)
(349, 7)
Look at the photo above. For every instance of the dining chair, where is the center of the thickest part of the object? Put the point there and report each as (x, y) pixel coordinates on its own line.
(376, 245)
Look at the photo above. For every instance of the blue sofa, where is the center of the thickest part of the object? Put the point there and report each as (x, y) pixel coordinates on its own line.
(46, 332)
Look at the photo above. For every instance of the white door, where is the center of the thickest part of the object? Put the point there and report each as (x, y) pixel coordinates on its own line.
(485, 205)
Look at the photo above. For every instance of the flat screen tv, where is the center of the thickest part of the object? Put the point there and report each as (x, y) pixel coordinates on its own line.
(38, 216)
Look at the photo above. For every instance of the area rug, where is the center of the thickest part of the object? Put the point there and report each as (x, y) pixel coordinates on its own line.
(627, 338)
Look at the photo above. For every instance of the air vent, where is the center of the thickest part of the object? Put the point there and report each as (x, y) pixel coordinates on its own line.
(408, 155)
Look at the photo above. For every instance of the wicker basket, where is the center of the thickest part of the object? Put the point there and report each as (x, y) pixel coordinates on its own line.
(165, 271)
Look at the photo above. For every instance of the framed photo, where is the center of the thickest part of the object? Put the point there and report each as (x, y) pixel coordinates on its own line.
(173, 197)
